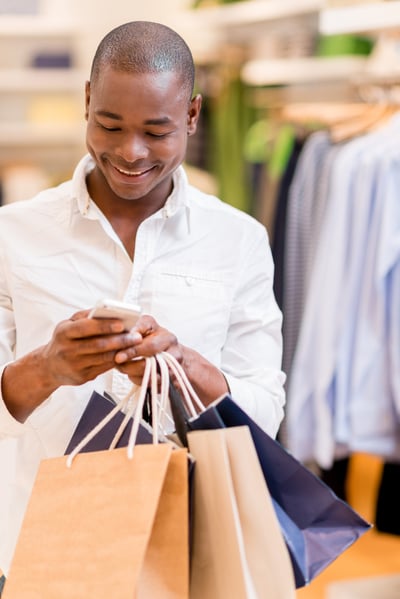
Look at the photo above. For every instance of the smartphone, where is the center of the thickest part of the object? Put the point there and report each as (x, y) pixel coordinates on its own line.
(108, 308)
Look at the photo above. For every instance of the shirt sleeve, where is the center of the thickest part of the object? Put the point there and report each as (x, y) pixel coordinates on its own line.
(252, 355)
(9, 426)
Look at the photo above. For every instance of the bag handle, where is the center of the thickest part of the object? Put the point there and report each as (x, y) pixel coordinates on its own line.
(183, 405)
(135, 411)
(159, 400)
(192, 400)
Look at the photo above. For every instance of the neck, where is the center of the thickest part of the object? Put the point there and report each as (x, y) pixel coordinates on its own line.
(125, 215)
(113, 205)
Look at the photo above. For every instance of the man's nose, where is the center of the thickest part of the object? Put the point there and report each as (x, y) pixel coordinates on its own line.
(132, 148)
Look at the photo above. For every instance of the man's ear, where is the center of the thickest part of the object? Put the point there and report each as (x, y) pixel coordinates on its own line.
(193, 114)
(87, 99)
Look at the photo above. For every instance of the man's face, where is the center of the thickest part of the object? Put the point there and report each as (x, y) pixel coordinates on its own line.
(137, 129)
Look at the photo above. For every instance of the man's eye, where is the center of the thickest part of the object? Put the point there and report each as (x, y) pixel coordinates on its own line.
(159, 135)
(110, 128)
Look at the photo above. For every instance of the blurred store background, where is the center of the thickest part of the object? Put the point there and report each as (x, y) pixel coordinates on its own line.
(300, 128)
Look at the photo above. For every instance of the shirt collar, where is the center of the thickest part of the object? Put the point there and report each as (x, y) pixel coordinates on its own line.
(176, 200)
(79, 188)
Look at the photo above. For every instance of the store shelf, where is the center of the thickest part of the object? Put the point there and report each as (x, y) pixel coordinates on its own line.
(41, 80)
(41, 134)
(209, 30)
(301, 70)
(41, 107)
(365, 18)
(28, 26)
(256, 11)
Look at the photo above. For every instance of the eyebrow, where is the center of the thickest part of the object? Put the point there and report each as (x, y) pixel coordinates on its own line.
(109, 115)
(112, 115)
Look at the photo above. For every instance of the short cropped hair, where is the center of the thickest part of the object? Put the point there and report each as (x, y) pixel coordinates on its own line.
(145, 47)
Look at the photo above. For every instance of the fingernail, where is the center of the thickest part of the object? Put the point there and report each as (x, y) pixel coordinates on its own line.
(121, 357)
(135, 336)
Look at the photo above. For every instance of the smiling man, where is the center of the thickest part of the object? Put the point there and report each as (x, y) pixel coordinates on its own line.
(128, 226)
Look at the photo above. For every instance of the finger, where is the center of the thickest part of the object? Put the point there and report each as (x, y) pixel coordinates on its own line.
(127, 355)
(152, 344)
(83, 354)
(134, 369)
(80, 314)
(98, 361)
(97, 327)
(146, 325)
(108, 343)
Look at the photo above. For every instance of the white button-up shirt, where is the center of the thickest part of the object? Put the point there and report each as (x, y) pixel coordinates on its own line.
(201, 268)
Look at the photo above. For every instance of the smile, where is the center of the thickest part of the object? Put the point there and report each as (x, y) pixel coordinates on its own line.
(131, 173)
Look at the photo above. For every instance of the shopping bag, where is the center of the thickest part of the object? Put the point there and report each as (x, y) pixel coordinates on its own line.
(165, 571)
(238, 550)
(316, 525)
(97, 408)
(95, 529)
(110, 523)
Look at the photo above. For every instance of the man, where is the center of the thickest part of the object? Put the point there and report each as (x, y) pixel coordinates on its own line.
(130, 227)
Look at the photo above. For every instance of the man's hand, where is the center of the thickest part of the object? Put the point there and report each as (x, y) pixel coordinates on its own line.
(80, 349)
(150, 339)
(207, 380)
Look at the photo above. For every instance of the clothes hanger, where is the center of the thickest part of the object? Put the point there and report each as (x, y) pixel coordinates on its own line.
(323, 113)
(380, 107)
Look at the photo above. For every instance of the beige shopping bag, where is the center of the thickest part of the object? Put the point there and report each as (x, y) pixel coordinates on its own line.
(165, 572)
(107, 527)
(238, 549)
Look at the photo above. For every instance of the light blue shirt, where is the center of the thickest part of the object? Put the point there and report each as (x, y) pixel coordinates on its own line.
(333, 407)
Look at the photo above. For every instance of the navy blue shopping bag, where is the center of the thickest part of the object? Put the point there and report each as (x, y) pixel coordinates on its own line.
(316, 524)
(97, 408)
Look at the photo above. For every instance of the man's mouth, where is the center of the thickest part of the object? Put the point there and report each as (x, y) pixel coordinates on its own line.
(131, 173)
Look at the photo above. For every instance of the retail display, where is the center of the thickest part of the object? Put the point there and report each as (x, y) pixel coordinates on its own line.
(20, 7)
(343, 106)
(299, 128)
(40, 91)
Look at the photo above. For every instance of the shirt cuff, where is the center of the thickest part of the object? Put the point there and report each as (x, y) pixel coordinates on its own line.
(264, 408)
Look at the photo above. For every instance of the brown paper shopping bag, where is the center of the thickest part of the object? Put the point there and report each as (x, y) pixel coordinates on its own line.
(94, 530)
(238, 548)
(165, 572)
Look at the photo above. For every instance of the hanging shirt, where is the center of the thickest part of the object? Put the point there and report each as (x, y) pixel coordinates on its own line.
(373, 420)
(202, 268)
(326, 389)
(303, 204)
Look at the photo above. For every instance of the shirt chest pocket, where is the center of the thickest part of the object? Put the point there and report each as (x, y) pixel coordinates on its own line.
(195, 306)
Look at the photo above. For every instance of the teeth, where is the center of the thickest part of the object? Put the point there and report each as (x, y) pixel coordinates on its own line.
(130, 173)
